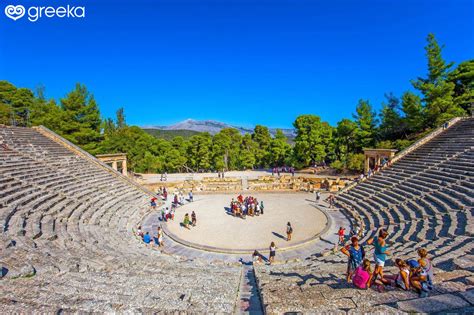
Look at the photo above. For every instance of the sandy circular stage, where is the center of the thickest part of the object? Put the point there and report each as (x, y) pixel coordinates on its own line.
(219, 230)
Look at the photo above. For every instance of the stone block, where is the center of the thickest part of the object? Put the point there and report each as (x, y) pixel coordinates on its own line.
(438, 303)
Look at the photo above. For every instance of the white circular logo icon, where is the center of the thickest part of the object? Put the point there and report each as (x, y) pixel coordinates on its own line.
(14, 12)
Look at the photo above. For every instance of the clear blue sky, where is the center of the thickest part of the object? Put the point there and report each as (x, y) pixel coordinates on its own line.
(243, 61)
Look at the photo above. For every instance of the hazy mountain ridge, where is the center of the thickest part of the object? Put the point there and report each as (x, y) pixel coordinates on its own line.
(214, 127)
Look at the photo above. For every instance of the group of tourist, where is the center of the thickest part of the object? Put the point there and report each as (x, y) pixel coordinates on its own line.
(246, 206)
(163, 192)
(416, 274)
(258, 258)
(148, 239)
(189, 222)
(284, 169)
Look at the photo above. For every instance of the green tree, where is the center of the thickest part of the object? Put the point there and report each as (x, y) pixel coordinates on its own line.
(280, 150)
(438, 92)
(391, 124)
(312, 139)
(199, 153)
(247, 158)
(463, 79)
(345, 137)
(120, 118)
(366, 121)
(261, 135)
(413, 112)
(80, 119)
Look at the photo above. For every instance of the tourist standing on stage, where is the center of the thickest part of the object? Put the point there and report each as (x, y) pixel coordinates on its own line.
(193, 218)
(289, 231)
(186, 221)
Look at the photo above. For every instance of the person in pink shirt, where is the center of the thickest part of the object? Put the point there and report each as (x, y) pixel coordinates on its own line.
(362, 275)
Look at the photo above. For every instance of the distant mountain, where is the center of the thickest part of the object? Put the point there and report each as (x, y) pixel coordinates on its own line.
(170, 134)
(214, 127)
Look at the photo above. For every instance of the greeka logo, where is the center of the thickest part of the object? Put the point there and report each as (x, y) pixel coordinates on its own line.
(16, 12)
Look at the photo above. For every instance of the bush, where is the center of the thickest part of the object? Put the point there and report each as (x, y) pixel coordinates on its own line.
(355, 162)
(337, 165)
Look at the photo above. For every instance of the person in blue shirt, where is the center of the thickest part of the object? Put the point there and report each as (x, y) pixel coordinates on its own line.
(147, 238)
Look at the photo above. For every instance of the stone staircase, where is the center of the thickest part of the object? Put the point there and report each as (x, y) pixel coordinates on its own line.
(68, 244)
(425, 199)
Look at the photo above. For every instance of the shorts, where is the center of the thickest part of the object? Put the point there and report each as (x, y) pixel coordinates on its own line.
(379, 262)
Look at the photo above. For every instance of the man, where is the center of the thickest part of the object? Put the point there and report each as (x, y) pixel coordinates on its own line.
(147, 238)
(318, 196)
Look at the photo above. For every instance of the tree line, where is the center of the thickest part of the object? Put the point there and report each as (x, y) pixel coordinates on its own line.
(443, 93)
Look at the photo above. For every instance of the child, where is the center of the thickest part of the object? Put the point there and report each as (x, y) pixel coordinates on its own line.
(418, 278)
(402, 279)
(427, 265)
(341, 233)
(362, 275)
(256, 257)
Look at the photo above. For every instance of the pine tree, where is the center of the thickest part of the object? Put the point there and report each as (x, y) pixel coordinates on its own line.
(413, 112)
(366, 121)
(437, 91)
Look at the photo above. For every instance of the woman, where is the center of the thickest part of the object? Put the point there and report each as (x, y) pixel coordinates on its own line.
(380, 254)
(261, 207)
(193, 218)
(272, 252)
(289, 231)
(186, 221)
(362, 275)
(356, 254)
(160, 236)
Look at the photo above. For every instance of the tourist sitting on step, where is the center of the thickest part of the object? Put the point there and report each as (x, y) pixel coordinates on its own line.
(139, 231)
(356, 254)
(362, 275)
(419, 278)
(427, 265)
(147, 238)
(257, 257)
(153, 203)
(402, 278)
